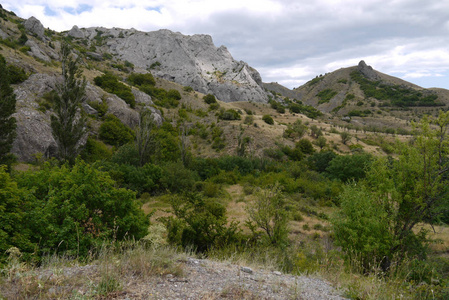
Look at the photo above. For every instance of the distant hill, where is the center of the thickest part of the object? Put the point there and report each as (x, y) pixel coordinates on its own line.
(356, 90)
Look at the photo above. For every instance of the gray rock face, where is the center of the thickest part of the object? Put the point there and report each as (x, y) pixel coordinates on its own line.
(367, 71)
(33, 126)
(76, 33)
(188, 60)
(35, 26)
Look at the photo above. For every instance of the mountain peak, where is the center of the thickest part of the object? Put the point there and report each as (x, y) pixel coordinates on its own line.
(367, 71)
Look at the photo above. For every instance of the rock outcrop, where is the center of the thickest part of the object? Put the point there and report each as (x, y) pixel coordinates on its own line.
(367, 71)
(35, 26)
(188, 60)
(76, 32)
(33, 122)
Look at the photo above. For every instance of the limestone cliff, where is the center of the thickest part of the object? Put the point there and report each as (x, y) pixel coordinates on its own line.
(188, 60)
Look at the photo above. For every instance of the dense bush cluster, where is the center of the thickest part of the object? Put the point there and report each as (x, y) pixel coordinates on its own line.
(111, 84)
(394, 95)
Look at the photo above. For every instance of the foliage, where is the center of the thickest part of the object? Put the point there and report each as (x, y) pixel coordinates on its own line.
(145, 137)
(111, 84)
(95, 150)
(404, 193)
(209, 99)
(200, 224)
(138, 79)
(71, 209)
(326, 95)
(145, 179)
(295, 130)
(13, 206)
(7, 108)
(68, 124)
(268, 119)
(16, 74)
(101, 107)
(321, 142)
(177, 178)
(349, 167)
(268, 213)
(362, 227)
(114, 132)
(395, 95)
(345, 137)
(167, 99)
(229, 114)
(305, 146)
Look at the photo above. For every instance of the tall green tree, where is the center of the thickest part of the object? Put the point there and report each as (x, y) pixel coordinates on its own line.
(7, 108)
(145, 136)
(68, 123)
(379, 224)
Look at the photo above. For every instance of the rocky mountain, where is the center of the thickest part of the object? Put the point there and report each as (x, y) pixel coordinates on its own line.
(360, 90)
(188, 60)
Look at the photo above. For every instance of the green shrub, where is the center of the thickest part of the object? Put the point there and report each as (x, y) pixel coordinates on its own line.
(14, 207)
(349, 167)
(200, 224)
(230, 114)
(177, 178)
(111, 84)
(114, 132)
(326, 95)
(248, 120)
(268, 119)
(101, 107)
(16, 74)
(305, 146)
(79, 209)
(187, 89)
(138, 79)
(95, 150)
(209, 99)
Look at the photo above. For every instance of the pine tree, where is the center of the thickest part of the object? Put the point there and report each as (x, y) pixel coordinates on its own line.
(68, 122)
(7, 108)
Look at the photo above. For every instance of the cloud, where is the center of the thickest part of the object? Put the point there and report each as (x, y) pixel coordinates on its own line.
(288, 41)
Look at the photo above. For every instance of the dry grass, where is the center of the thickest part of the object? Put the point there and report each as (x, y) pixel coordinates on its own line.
(64, 278)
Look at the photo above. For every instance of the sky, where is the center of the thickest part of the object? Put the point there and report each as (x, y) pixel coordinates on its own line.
(287, 41)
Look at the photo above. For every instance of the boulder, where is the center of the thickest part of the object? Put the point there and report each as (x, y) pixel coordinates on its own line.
(76, 33)
(35, 26)
(367, 71)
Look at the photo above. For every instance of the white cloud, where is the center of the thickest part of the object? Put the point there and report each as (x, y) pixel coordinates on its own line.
(289, 41)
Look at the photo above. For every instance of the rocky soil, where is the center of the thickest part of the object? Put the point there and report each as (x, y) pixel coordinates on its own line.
(199, 279)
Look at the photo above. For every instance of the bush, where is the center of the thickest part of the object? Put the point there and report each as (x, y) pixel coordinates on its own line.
(230, 114)
(176, 178)
(248, 120)
(80, 208)
(209, 99)
(16, 74)
(305, 146)
(268, 119)
(114, 132)
(349, 167)
(199, 224)
(95, 150)
(141, 79)
(111, 84)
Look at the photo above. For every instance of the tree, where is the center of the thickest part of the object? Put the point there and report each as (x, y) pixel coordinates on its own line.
(145, 137)
(401, 194)
(7, 108)
(68, 123)
(268, 213)
(321, 142)
(345, 137)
